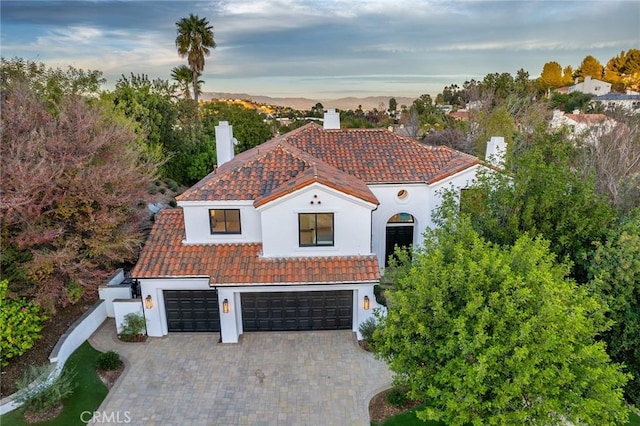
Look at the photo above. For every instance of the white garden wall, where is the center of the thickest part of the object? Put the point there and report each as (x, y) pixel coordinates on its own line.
(75, 335)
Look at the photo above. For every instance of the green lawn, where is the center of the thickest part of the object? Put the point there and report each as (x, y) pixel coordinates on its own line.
(87, 396)
(409, 419)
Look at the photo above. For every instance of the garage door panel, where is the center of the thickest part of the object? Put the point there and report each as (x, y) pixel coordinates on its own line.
(284, 311)
(192, 310)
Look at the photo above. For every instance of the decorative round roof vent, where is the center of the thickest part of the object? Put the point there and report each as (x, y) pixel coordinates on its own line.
(402, 194)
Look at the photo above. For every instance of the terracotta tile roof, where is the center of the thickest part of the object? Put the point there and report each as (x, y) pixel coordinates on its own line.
(460, 115)
(587, 118)
(269, 171)
(379, 156)
(164, 256)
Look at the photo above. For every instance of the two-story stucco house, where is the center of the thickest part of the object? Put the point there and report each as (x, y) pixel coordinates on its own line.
(292, 234)
(591, 85)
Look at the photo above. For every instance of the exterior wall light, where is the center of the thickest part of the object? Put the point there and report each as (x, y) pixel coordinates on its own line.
(225, 306)
(148, 302)
(366, 303)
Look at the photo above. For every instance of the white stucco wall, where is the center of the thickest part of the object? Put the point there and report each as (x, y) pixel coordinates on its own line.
(123, 307)
(231, 322)
(157, 317)
(420, 202)
(198, 229)
(109, 293)
(352, 223)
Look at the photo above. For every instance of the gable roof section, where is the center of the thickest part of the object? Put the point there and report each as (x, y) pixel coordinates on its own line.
(379, 156)
(165, 256)
(269, 171)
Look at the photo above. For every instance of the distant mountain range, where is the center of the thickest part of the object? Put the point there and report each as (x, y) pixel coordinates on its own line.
(367, 103)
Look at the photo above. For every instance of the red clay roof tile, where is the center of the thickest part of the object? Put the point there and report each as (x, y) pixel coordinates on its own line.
(345, 159)
(165, 256)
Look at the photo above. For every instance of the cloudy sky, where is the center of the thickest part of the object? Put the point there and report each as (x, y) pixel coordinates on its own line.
(323, 48)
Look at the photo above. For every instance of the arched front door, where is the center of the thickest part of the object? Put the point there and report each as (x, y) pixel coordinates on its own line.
(399, 233)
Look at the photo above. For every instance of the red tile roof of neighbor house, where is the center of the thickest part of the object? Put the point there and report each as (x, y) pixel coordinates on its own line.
(165, 256)
(587, 118)
(345, 159)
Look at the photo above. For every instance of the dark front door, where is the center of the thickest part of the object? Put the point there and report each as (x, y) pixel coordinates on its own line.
(399, 235)
(308, 310)
(192, 310)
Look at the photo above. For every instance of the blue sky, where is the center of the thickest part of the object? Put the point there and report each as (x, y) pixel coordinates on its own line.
(323, 48)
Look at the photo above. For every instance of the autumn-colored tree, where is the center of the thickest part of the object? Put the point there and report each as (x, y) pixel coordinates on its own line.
(624, 70)
(551, 75)
(71, 189)
(590, 67)
(567, 75)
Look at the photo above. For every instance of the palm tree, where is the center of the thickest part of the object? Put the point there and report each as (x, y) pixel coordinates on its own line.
(195, 38)
(183, 76)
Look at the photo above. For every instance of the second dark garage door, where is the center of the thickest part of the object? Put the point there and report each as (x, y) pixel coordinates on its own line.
(192, 310)
(308, 310)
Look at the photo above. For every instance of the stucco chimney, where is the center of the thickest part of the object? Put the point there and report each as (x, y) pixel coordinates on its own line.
(331, 119)
(224, 142)
(496, 150)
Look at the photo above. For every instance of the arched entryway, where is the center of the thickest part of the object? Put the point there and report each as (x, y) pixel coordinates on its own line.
(399, 233)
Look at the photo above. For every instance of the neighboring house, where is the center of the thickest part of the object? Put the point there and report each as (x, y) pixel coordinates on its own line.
(591, 86)
(579, 124)
(612, 101)
(461, 114)
(292, 234)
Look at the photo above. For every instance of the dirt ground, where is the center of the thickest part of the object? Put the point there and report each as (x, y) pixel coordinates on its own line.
(380, 409)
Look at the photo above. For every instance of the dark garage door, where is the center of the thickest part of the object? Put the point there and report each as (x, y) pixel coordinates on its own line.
(309, 310)
(192, 310)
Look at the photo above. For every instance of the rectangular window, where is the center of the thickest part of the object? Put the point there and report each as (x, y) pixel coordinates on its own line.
(224, 221)
(316, 229)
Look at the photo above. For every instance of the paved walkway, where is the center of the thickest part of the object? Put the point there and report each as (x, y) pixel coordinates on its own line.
(295, 378)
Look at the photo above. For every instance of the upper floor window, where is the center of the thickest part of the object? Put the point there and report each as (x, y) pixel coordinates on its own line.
(315, 229)
(224, 221)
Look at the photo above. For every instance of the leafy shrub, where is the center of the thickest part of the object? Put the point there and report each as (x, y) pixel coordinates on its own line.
(74, 291)
(173, 203)
(397, 396)
(20, 325)
(45, 393)
(173, 185)
(108, 361)
(133, 325)
(367, 328)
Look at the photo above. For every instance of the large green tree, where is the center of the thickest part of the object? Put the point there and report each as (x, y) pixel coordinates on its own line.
(194, 41)
(543, 193)
(498, 336)
(149, 103)
(615, 278)
(53, 85)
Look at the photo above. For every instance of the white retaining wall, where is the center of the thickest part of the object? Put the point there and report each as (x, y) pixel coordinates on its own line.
(79, 331)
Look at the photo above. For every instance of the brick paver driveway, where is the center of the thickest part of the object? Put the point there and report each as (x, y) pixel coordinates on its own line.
(301, 378)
